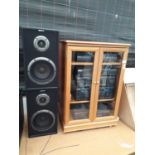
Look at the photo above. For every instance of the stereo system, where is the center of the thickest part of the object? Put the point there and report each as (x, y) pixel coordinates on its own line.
(81, 83)
(83, 57)
(41, 80)
(88, 57)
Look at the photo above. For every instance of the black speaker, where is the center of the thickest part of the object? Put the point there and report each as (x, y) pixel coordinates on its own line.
(21, 115)
(42, 112)
(40, 58)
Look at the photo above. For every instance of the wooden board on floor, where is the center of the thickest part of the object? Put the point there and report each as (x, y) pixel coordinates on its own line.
(130, 89)
(118, 140)
(127, 105)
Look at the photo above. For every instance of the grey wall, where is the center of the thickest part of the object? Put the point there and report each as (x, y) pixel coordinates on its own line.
(94, 20)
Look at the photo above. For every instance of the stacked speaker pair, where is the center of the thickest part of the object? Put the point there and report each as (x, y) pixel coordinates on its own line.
(41, 80)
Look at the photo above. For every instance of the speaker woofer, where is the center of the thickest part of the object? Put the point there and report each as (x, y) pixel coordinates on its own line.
(42, 99)
(43, 120)
(41, 43)
(41, 70)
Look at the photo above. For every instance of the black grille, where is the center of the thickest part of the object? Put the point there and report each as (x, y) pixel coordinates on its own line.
(42, 121)
(42, 72)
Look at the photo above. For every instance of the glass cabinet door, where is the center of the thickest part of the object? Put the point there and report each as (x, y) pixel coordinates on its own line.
(108, 81)
(83, 62)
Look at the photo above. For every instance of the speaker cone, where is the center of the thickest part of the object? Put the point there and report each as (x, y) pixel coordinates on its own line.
(41, 43)
(42, 120)
(41, 70)
(42, 99)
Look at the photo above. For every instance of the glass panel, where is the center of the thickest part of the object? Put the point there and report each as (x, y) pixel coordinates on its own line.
(108, 80)
(81, 82)
(108, 83)
(78, 56)
(112, 57)
(105, 109)
(79, 111)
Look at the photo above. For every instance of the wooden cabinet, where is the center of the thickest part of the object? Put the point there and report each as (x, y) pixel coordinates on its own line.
(93, 78)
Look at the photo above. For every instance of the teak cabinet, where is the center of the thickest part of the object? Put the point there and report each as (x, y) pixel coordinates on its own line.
(92, 83)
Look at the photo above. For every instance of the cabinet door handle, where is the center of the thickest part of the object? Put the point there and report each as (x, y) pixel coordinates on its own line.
(97, 82)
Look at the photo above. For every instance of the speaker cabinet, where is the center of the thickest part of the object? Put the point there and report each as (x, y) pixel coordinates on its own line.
(21, 115)
(42, 112)
(40, 58)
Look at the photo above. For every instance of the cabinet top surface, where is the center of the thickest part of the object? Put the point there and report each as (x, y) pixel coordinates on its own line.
(75, 42)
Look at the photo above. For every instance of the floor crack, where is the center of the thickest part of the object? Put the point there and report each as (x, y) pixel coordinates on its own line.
(59, 148)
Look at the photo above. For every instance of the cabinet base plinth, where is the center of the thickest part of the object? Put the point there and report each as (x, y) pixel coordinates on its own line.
(90, 125)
